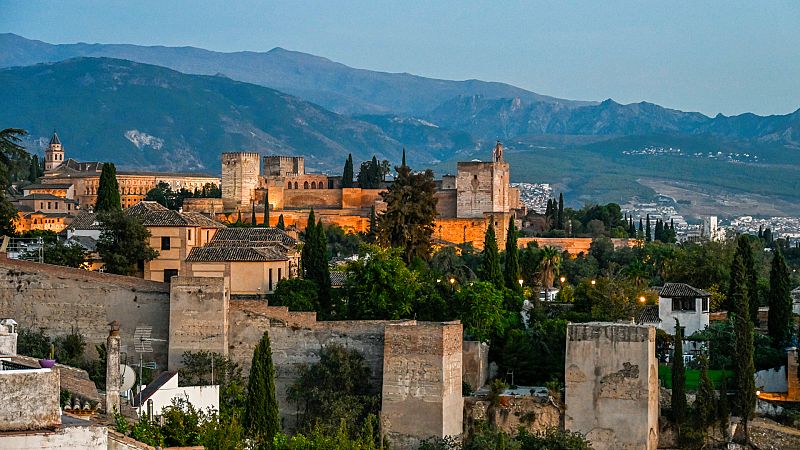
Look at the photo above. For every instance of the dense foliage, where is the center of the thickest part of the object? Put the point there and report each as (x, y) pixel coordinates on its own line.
(108, 197)
(124, 243)
(164, 195)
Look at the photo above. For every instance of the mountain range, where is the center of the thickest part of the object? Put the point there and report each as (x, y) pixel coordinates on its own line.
(178, 108)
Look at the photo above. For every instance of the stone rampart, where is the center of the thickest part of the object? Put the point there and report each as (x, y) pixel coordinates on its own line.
(198, 316)
(62, 300)
(612, 385)
(573, 246)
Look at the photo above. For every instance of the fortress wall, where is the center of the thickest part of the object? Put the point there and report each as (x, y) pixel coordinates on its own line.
(198, 316)
(312, 198)
(611, 390)
(446, 203)
(357, 198)
(573, 246)
(62, 300)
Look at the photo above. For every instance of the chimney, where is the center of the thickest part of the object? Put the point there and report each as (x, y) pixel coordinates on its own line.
(112, 369)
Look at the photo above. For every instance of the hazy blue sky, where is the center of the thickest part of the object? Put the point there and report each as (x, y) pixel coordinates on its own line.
(709, 56)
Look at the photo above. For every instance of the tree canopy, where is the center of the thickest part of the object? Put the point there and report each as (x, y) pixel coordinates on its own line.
(123, 245)
(108, 198)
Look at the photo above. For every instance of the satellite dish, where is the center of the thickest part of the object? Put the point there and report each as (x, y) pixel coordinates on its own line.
(127, 378)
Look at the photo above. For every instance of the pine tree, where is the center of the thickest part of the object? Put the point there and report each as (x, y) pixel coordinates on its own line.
(108, 198)
(512, 271)
(280, 224)
(261, 417)
(743, 368)
(780, 302)
(347, 174)
(678, 379)
(490, 262)
(266, 208)
(647, 230)
(560, 218)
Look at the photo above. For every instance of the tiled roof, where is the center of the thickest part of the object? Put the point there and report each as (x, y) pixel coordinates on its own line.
(150, 214)
(47, 186)
(254, 236)
(86, 242)
(242, 254)
(55, 139)
(338, 278)
(648, 314)
(672, 290)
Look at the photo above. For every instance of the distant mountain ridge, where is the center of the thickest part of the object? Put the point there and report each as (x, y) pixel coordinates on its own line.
(333, 85)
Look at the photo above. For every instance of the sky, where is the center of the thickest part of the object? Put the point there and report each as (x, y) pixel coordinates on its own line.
(714, 57)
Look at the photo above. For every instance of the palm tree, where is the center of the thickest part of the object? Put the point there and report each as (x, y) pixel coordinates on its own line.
(549, 266)
(637, 273)
(10, 148)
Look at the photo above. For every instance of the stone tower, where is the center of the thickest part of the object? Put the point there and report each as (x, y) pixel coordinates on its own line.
(240, 172)
(54, 154)
(483, 187)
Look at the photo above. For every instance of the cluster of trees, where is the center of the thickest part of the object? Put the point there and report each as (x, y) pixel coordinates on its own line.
(486, 438)
(69, 349)
(164, 195)
(370, 175)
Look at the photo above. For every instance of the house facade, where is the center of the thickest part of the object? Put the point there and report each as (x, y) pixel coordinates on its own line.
(685, 303)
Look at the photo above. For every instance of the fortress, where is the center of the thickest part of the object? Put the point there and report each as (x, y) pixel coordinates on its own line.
(467, 202)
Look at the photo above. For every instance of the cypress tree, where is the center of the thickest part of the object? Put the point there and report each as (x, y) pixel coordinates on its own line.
(749, 276)
(280, 224)
(307, 253)
(261, 417)
(322, 272)
(743, 367)
(678, 379)
(403, 164)
(347, 174)
(375, 168)
(705, 410)
(512, 257)
(647, 230)
(723, 407)
(266, 208)
(659, 232)
(560, 219)
(252, 213)
(490, 263)
(780, 302)
(548, 213)
(631, 228)
(373, 222)
(108, 198)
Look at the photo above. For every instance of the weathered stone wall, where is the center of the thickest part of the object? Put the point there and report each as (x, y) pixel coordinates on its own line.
(475, 364)
(482, 187)
(612, 385)
(85, 437)
(72, 379)
(534, 414)
(8, 343)
(422, 382)
(446, 203)
(29, 400)
(62, 300)
(198, 316)
(472, 230)
(240, 172)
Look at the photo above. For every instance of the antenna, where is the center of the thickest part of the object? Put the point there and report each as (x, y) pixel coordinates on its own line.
(142, 343)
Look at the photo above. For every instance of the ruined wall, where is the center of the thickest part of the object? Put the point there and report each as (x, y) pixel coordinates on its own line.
(612, 385)
(534, 414)
(198, 316)
(422, 382)
(30, 400)
(475, 364)
(62, 300)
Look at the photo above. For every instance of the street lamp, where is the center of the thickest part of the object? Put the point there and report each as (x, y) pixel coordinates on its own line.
(642, 299)
(562, 279)
(452, 280)
(594, 282)
(520, 282)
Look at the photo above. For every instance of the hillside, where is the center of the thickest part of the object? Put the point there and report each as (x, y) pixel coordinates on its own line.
(146, 116)
(333, 85)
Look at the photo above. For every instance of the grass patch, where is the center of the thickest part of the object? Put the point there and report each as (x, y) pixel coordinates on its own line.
(692, 377)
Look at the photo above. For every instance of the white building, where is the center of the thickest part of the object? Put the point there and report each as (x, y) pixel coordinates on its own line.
(164, 388)
(710, 229)
(685, 303)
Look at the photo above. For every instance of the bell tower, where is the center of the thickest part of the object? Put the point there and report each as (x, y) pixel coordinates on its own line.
(54, 154)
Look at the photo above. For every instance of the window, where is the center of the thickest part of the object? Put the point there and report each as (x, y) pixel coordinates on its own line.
(295, 184)
(290, 185)
(41, 205)
(280, 275)
(683, 304)
(165, 243)
(305, 185)
(705, 304)
(270, 280)
(188, 235)
(49, 204)
(169, 273)
(313, 185)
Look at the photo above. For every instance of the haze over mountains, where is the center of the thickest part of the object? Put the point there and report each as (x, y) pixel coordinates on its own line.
(122, 111)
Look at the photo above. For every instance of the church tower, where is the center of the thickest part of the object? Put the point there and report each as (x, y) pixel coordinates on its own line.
(54, 154)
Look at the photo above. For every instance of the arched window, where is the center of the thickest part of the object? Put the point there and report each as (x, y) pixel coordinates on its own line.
(295, 184)
(320, 186)
(305, 185)
(313, 185)
(290, 185)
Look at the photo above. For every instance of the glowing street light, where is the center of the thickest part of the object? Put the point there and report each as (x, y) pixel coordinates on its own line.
(452, 280)
(594, 282)
(562, 279)
(642, 299)
(520, 282)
